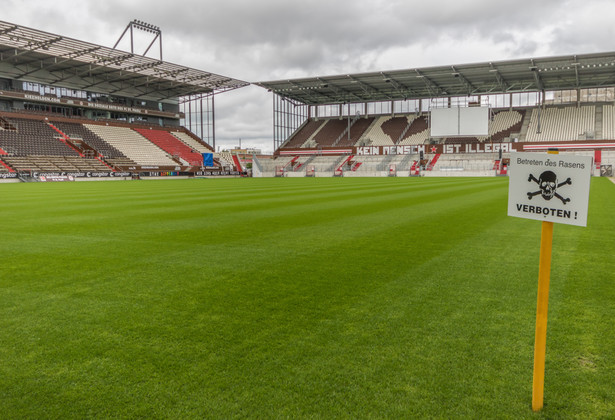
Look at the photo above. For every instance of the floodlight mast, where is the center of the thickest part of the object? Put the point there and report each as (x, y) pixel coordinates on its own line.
(143, 26)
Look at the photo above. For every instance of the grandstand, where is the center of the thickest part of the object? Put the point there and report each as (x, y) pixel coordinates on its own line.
(370, 119)
(393, 141)
(68, 107)
(71, 108)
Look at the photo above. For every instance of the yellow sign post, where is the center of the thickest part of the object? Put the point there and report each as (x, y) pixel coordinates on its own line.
(542, 309)
(542, 306)
(553, 189)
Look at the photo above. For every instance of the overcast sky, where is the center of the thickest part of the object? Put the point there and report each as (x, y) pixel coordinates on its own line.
(263, 40)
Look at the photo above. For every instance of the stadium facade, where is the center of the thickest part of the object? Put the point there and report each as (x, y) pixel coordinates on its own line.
(72, 109)
(386, 123)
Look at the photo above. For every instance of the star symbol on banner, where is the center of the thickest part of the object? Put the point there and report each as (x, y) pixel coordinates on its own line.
(433, 149)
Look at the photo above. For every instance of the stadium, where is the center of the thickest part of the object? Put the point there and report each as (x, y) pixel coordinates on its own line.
(460, 120)
(384, 281)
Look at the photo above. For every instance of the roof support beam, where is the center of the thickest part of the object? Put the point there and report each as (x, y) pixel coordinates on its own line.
(8, 30)
(400, 87)
(369, 90)
(341, 94)
(308, 92)
(432, 88)
(498, 78)
(537, 79)
(576, 65)
(54, 62)
(36, 45)
(89, 68)
(464, 82)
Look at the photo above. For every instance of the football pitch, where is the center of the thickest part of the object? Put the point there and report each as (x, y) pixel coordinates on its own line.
(299, 298)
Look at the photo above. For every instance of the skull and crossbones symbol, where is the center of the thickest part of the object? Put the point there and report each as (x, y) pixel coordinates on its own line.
(547, 182)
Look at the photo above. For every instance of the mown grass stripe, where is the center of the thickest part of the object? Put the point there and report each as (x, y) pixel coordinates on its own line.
(394, 298)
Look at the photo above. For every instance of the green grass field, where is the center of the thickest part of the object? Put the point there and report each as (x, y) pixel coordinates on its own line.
(298, 298)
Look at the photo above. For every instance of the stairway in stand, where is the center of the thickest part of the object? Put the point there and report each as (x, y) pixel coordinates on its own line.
(7, 166)
(340, 169)
(238, 164)
(433, 162)
(63, 139)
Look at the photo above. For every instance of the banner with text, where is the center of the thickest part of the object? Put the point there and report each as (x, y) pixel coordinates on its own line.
(469, 148)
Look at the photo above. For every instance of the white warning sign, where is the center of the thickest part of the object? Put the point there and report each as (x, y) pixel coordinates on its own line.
(549, 187)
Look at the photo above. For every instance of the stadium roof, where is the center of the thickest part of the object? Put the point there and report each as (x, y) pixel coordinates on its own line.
(523, 75)
(36, 56)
